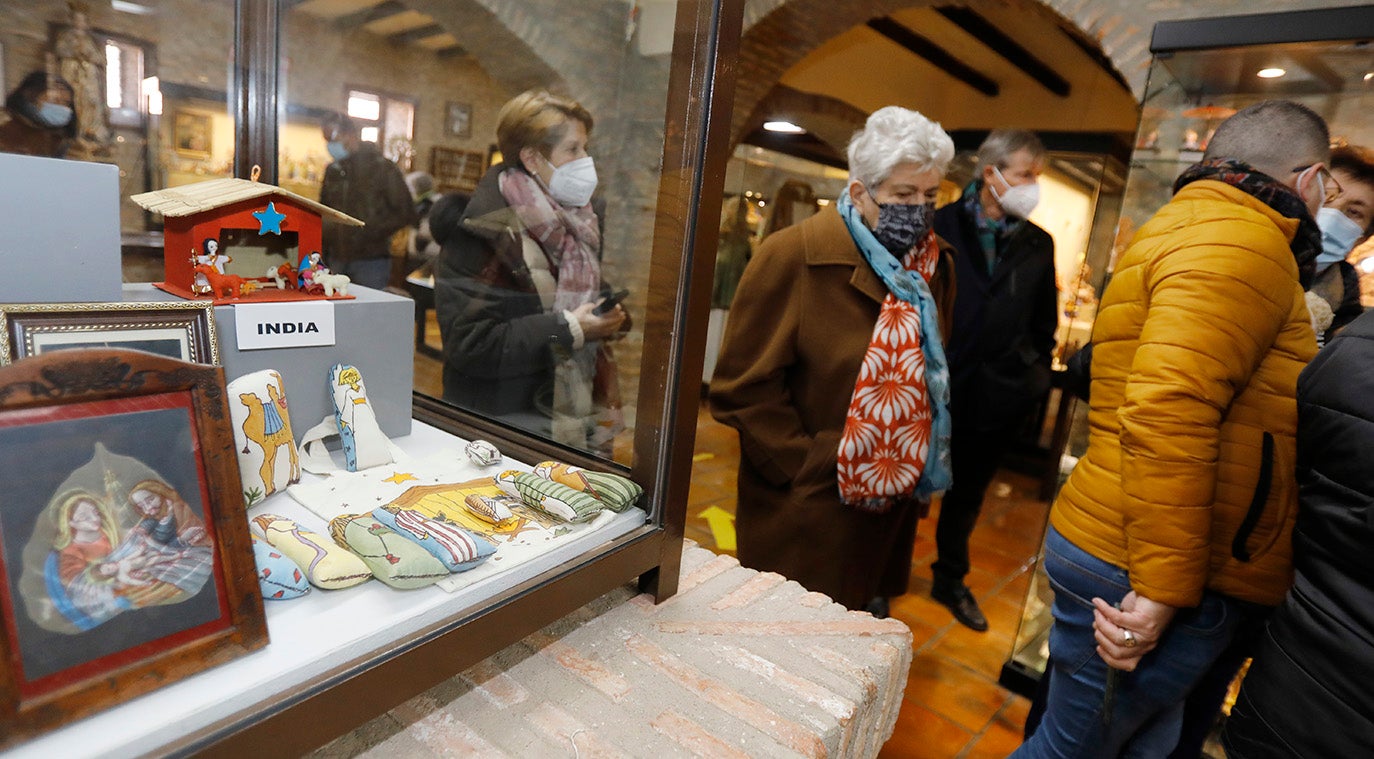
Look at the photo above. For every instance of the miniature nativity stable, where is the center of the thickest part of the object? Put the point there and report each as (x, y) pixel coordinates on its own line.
(239, 240)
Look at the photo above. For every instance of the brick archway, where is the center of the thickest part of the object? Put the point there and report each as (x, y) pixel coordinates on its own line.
(780, 33)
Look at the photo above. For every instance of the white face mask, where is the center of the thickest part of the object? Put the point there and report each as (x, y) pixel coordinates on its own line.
(1339, 233)
(574, 182)
(1018, 200)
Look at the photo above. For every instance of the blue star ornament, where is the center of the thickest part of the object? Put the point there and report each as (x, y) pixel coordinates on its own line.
(270, 219)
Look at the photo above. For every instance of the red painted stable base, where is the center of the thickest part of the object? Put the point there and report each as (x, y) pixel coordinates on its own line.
(262, 295)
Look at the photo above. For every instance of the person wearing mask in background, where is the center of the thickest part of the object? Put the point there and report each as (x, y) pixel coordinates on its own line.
(1001, 341)
(362, 183)
(1175, 526)
(518, 283)
(1346, 220)
(41, 121)
(832, 369)
(1306, 693)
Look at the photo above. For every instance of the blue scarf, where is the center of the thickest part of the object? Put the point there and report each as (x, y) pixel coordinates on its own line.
(911, 287)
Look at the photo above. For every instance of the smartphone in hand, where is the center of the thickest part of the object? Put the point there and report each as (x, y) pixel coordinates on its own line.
(610, 302)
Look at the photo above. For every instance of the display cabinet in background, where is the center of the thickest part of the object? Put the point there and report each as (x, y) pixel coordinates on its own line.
(1203, 71)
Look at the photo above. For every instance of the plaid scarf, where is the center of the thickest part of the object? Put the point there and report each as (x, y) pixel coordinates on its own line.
(570, 238)
(1307, 243)
(895, 444)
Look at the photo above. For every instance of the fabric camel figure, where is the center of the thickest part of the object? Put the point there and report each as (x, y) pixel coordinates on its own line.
(270, 428)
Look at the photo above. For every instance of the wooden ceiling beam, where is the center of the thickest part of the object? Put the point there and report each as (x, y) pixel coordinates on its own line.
(386, 9)
(936, 55)
(990, 36)
(416, 34)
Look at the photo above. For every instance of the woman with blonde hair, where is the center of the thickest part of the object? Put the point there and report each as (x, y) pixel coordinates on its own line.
(518, 284)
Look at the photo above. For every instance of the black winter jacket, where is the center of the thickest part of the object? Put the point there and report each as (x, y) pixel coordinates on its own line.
(1310, 690)
(367, 186)
(500, 343)
(1002, 339)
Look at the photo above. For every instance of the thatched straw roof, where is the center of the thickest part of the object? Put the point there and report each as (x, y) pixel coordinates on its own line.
(217, 193)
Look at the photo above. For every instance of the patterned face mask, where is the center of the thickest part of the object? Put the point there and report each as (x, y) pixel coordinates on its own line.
(902, 225)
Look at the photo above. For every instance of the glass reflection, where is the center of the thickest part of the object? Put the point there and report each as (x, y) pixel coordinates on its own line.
(526, 316)
(143, 86)
(505, 268)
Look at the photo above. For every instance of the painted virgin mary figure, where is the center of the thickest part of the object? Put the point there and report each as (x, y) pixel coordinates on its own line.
(80, 578)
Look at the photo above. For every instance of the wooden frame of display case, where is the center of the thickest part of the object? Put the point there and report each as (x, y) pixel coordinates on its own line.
(700, 93)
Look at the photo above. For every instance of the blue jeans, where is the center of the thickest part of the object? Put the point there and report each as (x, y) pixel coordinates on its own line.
(1148, 708)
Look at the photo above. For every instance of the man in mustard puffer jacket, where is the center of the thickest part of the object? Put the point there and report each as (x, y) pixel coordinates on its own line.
(1181, 511)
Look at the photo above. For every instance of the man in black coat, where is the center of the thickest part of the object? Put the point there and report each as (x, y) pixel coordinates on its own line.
(1005, 317)
(366, 185)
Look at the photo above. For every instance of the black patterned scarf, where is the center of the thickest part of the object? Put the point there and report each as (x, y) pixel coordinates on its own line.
(1307, 243)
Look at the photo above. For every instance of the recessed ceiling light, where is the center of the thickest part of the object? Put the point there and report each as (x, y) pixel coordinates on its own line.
(1369, 75)
(785, 127)
(1270, 73)
(128, 7)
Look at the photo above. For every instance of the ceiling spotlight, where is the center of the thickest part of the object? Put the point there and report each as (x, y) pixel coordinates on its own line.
(1369, 75)
(1270, 73)
(135, 8)
(784, 127)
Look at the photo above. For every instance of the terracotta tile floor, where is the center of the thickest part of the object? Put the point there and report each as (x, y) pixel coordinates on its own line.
(953, 707)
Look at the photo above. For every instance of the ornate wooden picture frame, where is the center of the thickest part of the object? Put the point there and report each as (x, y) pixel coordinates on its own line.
(125, 557)
(182, 330)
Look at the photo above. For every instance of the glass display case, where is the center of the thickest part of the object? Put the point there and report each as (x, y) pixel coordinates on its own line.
(1202, 72)
(238, 88)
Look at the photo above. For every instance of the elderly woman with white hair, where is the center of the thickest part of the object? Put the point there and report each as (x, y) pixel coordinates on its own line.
(833, 372)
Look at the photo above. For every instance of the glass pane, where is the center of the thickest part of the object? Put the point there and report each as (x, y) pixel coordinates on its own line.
(511, 261)
(147, 84)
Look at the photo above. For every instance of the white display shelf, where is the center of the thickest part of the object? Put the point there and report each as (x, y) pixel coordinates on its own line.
(324, 634)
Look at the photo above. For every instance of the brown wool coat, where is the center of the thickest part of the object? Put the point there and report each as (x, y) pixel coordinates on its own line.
(798, 329)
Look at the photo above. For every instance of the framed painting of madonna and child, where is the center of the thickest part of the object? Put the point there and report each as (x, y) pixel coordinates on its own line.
(125, 561)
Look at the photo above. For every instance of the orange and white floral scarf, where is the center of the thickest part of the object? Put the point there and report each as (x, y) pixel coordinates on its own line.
(895, 444)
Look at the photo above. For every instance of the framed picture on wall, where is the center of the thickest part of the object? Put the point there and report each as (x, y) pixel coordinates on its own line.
(179, 329)
(126, 557)
(456, 170)
(191, 134)
(458, 120)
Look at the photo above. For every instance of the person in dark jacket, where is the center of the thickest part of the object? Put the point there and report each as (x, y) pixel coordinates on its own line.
(1005, 316)
(40, 121)
(1307, 691)
(518, 283)
(364, 184)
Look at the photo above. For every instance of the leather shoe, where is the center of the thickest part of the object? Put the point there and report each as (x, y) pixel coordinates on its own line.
(960, 602)
(878, 607)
